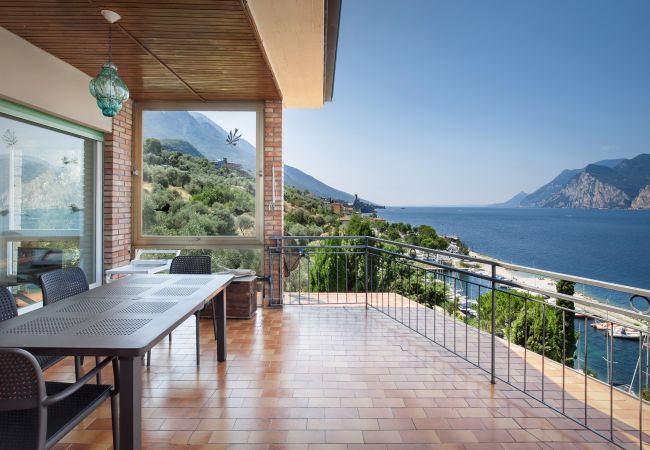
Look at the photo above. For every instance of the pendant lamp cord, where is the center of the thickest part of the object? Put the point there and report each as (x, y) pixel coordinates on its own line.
(110, 52)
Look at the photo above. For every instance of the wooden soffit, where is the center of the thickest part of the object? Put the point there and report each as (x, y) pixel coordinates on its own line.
(164, 50)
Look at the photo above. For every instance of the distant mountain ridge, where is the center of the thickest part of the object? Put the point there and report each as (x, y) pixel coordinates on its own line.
(195, 134)
(300, 180)
(607, 184)
(514, 202)
(201, 132)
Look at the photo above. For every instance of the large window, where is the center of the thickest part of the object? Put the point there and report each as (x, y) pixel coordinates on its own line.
(48, 205)
(199, 178)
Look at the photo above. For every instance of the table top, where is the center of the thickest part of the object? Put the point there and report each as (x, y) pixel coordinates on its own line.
(245, 279)
(124, 318)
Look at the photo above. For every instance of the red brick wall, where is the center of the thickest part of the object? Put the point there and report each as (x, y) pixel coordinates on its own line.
(117, 189)
(117, 184)
(273, 218)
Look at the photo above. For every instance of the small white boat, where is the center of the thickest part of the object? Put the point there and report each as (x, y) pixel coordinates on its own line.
(625, 333)
(601, 325)
(470, 304)
(580, 314)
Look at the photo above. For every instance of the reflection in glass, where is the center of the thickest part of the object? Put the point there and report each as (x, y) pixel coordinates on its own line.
(222, 259)
(47, 205)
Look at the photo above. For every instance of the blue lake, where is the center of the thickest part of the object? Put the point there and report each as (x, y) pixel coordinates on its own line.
(608, 245)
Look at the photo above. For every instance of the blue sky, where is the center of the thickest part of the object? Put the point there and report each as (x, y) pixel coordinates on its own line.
(447, 102)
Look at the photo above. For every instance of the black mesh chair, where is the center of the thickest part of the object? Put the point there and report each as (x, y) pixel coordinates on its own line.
(60, 284)
(36, 414)
(193, 265)
(8, 310)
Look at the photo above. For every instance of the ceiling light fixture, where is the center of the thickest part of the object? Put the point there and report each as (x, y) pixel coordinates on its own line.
(107, 87)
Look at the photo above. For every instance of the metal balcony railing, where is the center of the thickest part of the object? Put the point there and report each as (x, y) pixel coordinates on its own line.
(516, 331)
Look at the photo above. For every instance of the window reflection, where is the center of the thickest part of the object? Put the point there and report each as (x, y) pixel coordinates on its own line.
(47, 205)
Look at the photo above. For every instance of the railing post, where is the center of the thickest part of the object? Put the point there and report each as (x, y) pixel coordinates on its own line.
(493, 337)
(366, 273)
(281, 273)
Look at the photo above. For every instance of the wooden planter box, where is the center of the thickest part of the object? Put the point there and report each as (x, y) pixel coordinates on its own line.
(241, 299)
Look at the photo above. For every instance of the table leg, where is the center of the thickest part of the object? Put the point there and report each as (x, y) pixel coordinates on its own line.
(130, 403)
(220, 304)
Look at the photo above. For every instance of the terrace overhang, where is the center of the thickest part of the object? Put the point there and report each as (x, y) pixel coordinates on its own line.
(198, 51)
(300, 39)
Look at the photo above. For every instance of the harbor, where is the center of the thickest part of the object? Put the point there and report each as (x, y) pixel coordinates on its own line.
(585, 305)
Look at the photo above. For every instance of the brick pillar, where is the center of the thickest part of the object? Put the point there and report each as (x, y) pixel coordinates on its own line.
(117, 189)
(273, 218)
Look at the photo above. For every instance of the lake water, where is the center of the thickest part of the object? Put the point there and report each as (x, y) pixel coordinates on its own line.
(608, 245)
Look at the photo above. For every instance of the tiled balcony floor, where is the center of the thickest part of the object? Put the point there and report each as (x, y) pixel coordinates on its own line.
(328, 377)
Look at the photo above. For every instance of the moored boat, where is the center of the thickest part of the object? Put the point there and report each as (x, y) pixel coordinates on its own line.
(601, 325)
(624, 333)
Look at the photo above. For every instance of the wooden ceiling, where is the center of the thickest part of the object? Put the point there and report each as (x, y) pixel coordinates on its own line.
(164, 50)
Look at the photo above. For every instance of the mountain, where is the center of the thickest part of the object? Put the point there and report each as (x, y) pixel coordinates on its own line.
(195, 134)
(201, 132)
(514, 202)
(611, 163)
(178, 145)
(607, 184)
(300, 180)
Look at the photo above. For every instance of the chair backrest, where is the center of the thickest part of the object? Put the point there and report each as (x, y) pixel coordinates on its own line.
(198, 265)
(62, 283)
(22, 392)
(8, 308)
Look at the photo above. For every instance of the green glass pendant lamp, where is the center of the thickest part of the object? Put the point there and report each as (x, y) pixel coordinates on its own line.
(107, 87)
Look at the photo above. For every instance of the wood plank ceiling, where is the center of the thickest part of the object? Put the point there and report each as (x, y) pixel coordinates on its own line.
(164, 50)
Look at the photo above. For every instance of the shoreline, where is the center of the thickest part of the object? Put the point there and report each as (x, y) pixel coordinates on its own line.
(548, 284)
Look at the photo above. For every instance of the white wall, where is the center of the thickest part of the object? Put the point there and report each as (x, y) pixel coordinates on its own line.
(32, 77)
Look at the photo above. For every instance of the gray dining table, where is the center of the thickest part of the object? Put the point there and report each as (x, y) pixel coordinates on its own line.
(124, 319)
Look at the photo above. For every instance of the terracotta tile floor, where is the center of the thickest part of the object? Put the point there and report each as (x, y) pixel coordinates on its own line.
(330, 377)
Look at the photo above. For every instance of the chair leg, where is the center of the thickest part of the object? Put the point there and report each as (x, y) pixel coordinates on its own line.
(214, 319)
(115, 423)
(149, 358)
(99, 374)
(170, 338)
(77, 368)
(198, 342)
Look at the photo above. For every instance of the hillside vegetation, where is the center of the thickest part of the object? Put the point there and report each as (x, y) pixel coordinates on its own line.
(187, 196)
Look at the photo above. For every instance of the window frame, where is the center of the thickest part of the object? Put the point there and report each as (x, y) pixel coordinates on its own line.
(141, 240)
(43, 120)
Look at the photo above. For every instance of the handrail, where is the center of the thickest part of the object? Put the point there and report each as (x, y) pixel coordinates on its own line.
(495, 263)
(516, 267)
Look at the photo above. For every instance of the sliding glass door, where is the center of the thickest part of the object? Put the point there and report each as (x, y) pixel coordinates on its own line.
(48, 205)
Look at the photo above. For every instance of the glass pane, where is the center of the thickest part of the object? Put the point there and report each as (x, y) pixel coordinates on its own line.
(222, 259)
(47, 205)
(199, 173)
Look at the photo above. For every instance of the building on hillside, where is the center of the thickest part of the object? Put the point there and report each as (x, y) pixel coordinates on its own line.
(224, 164)
(361, 206)
(337, 208)
(341, 208)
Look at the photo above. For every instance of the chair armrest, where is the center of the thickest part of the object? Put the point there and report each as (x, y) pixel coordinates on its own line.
(50, 400)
